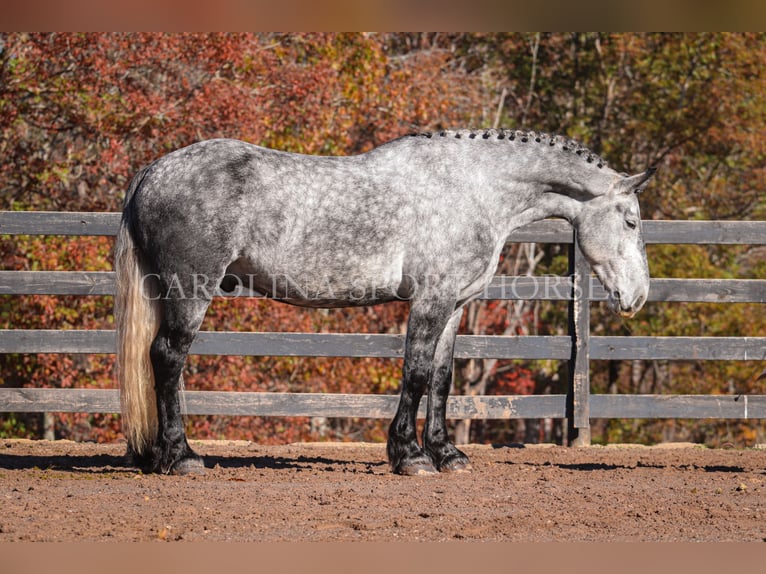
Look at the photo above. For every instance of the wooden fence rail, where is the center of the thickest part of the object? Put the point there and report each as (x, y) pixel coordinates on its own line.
(579, 347)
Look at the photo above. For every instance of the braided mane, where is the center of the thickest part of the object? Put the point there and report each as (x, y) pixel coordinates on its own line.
(562, 143)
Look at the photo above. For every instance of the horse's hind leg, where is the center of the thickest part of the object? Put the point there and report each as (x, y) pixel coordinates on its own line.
(445, 456)
(428, 318)
(181, 321)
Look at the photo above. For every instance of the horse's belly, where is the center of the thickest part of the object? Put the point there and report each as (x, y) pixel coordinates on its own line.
(314, 287)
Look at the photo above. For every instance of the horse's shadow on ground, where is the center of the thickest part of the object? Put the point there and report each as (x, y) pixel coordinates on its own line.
(110, 464)
(595, 466)
(603, 466)
(106, 464)
(314, 463)
(100, 463)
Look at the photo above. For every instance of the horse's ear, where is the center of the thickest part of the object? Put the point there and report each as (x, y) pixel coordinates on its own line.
(637, 183)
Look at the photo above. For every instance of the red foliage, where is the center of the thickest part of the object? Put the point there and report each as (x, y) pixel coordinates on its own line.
(516, 380)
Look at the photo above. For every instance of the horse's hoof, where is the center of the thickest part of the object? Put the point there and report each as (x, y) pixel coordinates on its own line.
(449, 459)
(456, 466)
(417, 469)
(188, 466)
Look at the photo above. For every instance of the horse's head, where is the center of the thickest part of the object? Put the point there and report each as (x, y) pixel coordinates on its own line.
(610, 236)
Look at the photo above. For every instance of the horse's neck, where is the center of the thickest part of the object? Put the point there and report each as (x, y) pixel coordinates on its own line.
(532, 188)
(547, 203)
(517, 182)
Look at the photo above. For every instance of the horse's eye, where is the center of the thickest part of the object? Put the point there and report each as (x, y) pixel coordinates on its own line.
(631, 223)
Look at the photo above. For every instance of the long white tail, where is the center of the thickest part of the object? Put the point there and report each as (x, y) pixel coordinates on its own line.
(137, 318)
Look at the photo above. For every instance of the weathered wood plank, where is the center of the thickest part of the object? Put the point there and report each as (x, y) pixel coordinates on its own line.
(548, 231)
(58, 223)
(705, 232)
(29, 400)
(500, 347)
(52, 341)
(289, 404)
(383, 406)
(284, 404)
(370, 345)
(679, 348)
(105, 223)
(298, 344)
(504, 407)
(696, 290)
(392, 346)
(288, 344)
(367, 406)
(103, 283)
(550, 288)
(578, 399)
(707, 290)
(678, 406)
(57, 283)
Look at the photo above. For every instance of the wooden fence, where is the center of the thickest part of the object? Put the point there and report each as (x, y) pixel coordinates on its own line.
(579, 347)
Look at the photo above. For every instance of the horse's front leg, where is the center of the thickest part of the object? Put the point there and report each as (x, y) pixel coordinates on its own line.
(427, 320)
(444, 455)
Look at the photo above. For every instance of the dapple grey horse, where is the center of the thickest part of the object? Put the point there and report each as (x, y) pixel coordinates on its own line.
(422, 218)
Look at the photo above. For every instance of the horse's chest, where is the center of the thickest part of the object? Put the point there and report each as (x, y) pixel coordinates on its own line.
(479, 270)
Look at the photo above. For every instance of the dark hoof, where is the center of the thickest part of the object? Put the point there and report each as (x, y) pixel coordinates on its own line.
(417, 469)
(188, 466)
(450, 459)
(417, 463)
(456, 466)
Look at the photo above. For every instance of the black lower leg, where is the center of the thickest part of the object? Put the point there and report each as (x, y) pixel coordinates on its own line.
(404, 452)
(171, 453)
(427, 320)
(444, 455)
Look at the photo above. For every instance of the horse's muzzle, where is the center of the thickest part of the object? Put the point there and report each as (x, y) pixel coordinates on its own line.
(618, 306)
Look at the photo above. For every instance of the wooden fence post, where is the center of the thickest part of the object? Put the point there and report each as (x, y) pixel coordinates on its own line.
(578, 393)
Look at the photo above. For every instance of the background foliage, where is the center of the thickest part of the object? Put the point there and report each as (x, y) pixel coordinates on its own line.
(80, 113)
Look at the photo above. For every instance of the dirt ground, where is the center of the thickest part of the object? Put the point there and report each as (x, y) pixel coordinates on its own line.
(66, 491)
